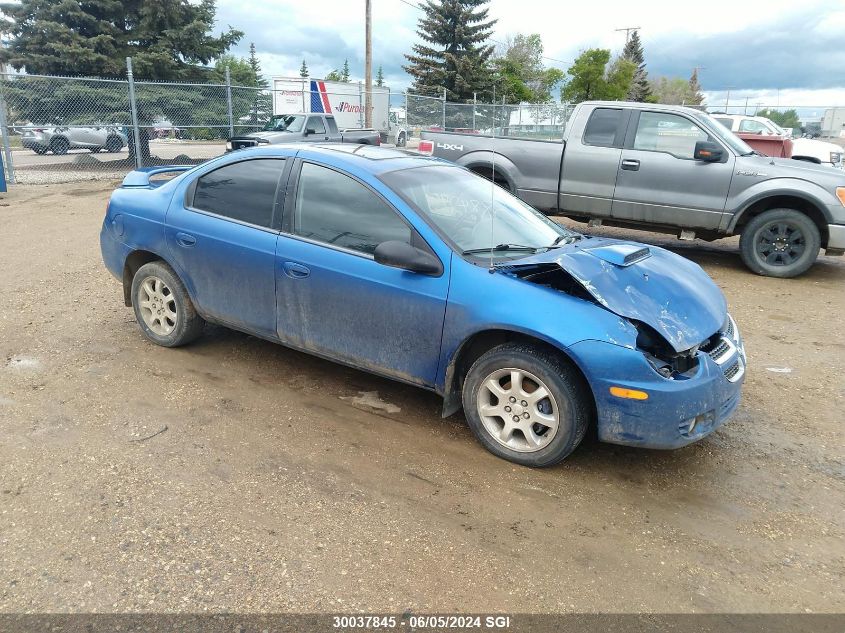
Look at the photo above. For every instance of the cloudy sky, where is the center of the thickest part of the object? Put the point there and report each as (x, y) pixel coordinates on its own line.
(775, 52)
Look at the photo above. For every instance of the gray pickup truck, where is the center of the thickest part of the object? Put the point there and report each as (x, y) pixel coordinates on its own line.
(667, 169)
(307, 128)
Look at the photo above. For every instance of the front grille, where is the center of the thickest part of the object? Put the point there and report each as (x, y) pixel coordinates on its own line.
(722, 348)
(243, 143)
(735, 371)
(729, 328)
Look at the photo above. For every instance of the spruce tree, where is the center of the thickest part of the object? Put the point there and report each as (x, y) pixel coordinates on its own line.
(167, 39)
(696, 98)
(344, 73)
(303, 70)
(380, 77)
(633, 52)
(454, 54)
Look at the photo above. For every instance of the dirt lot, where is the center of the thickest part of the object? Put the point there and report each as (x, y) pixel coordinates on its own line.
(237, 475)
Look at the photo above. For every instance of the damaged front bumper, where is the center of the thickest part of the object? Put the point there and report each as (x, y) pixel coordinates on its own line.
(678, 411)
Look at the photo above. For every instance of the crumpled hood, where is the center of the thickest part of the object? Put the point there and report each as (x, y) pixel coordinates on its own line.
(645, 283)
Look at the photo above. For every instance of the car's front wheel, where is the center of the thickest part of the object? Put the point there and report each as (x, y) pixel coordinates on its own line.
(780, 243)
(163, 309)
(526, 405)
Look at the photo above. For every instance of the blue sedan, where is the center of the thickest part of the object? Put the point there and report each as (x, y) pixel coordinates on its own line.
(416, 269)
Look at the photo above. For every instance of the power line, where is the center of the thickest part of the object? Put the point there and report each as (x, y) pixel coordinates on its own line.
(552, 59)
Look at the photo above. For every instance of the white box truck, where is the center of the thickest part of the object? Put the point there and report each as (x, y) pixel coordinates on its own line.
(344, 100)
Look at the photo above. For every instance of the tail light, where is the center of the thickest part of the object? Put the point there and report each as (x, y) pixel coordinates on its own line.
(378, 139)
(426, 148)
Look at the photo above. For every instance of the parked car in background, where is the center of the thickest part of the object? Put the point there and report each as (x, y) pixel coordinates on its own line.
(61, 139)
(419, 270)
(670, 169)
(303, 128)
(806, 149)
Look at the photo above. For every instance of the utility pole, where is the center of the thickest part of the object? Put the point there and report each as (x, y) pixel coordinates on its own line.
(368, 65)
(628, 30)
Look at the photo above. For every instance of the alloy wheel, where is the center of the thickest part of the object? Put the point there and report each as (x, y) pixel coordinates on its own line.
(780, 243)
(157, 306)
(518, 410)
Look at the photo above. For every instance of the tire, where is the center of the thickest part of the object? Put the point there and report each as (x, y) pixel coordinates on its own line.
(532, 440)
(59, 145)
(114, 144)
(401, 141)
(39, 149)
(158, 293)
(780, 243)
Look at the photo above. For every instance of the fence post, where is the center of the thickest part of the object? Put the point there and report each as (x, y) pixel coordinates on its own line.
(407, 113)
(4, 130)
(133, 109)
(444, 108)
(229, 102)
(360, 105)
(474, 100)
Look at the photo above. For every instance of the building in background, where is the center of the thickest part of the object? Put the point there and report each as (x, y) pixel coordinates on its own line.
(833, 123)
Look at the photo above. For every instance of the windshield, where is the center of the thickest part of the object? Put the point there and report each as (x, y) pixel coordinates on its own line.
(726, 136)
(458, 203)
(285, 123)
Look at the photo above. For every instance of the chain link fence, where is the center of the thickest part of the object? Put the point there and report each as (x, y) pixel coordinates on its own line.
(59, 129)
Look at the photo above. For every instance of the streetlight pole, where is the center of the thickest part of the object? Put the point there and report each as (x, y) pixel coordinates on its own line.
(368, 65)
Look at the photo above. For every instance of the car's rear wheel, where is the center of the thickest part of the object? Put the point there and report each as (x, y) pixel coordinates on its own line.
(39, 149)
(114, 144)
(162, 306)
(59, 146)
(780, 243)
(526, 405)
(401, 141)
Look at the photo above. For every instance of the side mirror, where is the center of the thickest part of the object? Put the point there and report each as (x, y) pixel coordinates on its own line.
(401, 255)
(708, 152)
(309, 131)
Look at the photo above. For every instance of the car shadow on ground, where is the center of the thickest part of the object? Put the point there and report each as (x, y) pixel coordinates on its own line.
(422, 408)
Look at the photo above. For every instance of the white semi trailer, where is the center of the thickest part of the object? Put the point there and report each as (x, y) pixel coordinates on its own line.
(346, 101)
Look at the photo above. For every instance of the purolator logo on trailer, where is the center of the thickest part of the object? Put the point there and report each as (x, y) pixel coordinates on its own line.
(345, 106)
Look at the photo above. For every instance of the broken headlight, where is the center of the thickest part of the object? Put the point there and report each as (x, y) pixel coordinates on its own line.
(661, 356)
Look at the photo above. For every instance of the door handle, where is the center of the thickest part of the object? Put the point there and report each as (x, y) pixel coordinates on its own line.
(630, 164)
(295, 271)
(186, 240)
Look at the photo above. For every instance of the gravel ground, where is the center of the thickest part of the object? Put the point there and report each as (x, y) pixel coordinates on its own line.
(236, 475)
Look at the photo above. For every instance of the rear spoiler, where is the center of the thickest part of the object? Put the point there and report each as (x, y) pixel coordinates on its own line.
(141, 177)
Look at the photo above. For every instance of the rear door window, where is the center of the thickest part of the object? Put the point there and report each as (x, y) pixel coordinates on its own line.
(605, 128)
(331, 125)
(243, 191)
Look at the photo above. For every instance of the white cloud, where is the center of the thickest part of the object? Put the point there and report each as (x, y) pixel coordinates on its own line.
(759, 46)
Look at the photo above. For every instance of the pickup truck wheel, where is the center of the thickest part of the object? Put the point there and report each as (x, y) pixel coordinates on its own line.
(780, 243)
(162, 306)
(59, 146)
(39, 149)
(400, 140)
(525, 405)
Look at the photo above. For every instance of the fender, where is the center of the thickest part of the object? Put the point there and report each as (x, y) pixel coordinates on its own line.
(781, 187)
(487, 159)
